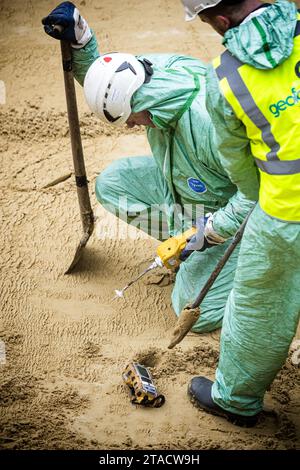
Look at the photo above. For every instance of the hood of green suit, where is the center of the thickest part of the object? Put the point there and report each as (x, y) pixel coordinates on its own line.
(267, 39)
(169, 93)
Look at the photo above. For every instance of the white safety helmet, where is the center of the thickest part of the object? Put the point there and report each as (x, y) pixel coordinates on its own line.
(194, 7)
(109, 85)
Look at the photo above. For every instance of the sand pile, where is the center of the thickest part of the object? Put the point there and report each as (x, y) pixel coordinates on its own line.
(66, 342)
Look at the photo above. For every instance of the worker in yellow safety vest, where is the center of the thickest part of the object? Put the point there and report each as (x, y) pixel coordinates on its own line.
(253, 96)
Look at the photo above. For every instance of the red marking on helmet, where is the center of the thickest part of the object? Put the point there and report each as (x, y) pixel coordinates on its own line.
(107, 59)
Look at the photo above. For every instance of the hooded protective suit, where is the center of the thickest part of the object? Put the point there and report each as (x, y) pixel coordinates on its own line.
(262, 312)
(184, 170)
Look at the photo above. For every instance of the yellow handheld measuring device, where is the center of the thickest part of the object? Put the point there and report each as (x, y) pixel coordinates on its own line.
(169, 251)
(167, 254)
(140, 383)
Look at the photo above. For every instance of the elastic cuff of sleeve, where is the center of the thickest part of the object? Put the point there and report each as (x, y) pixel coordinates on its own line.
(85, 39)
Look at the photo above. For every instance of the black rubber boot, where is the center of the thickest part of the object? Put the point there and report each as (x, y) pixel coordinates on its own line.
(199, 390)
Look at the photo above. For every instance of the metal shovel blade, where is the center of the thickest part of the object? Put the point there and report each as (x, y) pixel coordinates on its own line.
(79, 250)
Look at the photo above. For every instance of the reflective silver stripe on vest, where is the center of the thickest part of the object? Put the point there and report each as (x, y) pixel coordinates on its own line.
(280, 167)
(229, 68)
(229, 64)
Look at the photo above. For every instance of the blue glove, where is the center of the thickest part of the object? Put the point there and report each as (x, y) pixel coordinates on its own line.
(72, 26)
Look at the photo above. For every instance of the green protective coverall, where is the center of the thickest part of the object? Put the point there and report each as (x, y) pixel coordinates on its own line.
(184, 169)
(262, 312)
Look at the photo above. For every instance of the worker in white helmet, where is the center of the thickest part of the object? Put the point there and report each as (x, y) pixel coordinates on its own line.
(253, 96)
(166, 94)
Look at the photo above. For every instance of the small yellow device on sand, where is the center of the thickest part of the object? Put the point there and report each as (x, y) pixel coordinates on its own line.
(140, 383)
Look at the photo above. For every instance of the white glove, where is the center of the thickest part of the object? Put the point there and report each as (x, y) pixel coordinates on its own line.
(211, 236)
(81, 30)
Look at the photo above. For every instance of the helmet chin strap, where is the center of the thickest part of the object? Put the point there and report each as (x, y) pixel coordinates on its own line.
(148, 69)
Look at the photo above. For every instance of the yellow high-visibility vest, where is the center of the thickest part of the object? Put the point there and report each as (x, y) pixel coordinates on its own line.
(268, 103)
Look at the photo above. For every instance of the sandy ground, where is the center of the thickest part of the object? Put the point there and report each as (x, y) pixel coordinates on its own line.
(66, 342)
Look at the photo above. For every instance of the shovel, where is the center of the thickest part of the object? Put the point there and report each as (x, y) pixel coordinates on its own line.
(191, 312)
(86, 212)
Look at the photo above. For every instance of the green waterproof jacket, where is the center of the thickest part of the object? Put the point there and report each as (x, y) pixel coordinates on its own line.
(183, 142)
